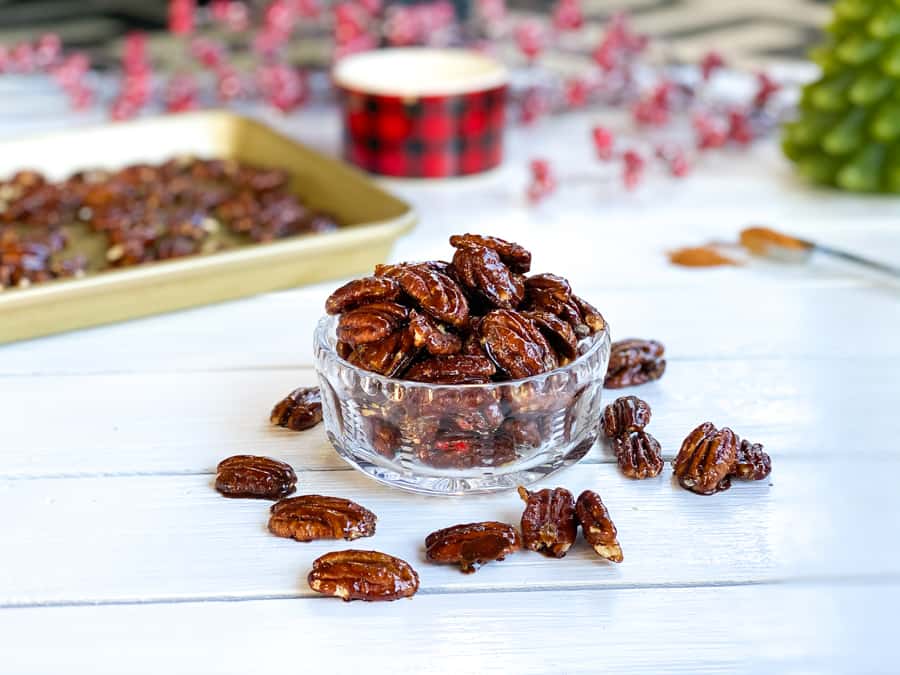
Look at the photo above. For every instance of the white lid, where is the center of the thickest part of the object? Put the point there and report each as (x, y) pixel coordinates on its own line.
(419, 71)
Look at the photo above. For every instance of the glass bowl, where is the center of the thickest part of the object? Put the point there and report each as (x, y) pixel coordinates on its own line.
(460, 439)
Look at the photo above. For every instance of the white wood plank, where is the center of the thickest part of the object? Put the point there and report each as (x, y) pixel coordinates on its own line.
(187, 422)
(749, 629)
(276, 330)
(175, 538)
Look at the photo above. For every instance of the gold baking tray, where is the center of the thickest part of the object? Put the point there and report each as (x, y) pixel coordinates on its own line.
(371, 221)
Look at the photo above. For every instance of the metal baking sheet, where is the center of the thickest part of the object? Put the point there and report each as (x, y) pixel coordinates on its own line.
(371, 221)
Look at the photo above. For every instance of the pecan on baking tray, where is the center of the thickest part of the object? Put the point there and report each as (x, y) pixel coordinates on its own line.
(299, 410)
(252, 476)
(638, 454)
(363, 575)
(626, 413)
(548, 522)
(311, 517)
(597, 527)
(706, 459)
(472, 545)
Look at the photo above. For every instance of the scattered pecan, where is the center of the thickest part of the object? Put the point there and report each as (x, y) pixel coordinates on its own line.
(434, 337)
(516, 257)
(362, 292)
(626, 413)
(299, 410)
(706, 459)
(311, 517)
(481, 271)
(389, 357)
(633, 362)
(638, 454)
(436, 293)
(752, 462)
(453, 369)
(559, 334)
(598, 529)
(548, 522)
(515, 344)
(371, 323)
(363, 575)
(472, 545)
(252, 476)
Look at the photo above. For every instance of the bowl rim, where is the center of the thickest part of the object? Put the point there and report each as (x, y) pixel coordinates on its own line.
(355, 72)
(320, 340)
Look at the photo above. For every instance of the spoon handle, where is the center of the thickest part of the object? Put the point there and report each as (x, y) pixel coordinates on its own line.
(859, 260)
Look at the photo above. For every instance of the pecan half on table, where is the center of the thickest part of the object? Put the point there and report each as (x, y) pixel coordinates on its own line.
(638, 454)
(363, 575)
(751, 462)
(472, 545)
(299, 410)
(253, 476)
(706, 459)
(633, 362)
(548, 522)
(626, 413)
(311, 517)
(597, 527)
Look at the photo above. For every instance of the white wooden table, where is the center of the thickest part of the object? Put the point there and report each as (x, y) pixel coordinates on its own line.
(117, 555)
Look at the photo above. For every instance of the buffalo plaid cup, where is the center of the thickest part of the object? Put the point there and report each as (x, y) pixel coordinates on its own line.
(423, 113)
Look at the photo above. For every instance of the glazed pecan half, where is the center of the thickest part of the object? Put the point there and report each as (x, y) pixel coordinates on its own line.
(453, 369)
(515, 344)
(299, 410)
(363, 575)
(371, 323)
(434, 337)
(597, 527)
(633, 362)
(559, 333)
(552, 293)
(472, 545)
(706, 459)
(548, 522)
(253, 476)
(626, 413)
(435, 292)
(516, 257)
(389, 357)
(481, 271)
(362, 292)
(311, 517)
(591, 316)
(638, 454)
(752, 463)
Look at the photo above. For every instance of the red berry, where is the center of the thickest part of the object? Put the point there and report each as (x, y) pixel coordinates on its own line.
(533, 106)
(632, 169)
(181, 16)
(766, 88)
(710, 63)
(181, 93)
(209, 53)
(81, 97)
(48, 50)
(567, 15)
(23, 58)
(540, 169)
(739, 129)
(711, 133)
(577, 91)
(603, 142)
(530, 39)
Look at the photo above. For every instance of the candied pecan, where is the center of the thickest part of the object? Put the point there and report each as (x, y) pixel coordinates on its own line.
(452, 369)
(626, 413)
(480, 270)
(638, 454)
(434, 337)
(552, 293)
(252, 476)
(598, 529)
(464, 450)
(362, 292)
(310, 517)
(371, 323)
(706, 459)
(559, 334)
(752, 462)
(548, 522)
(389, 356)
(436, 293)
(591, 316)
(516, 257)
(633, 362)
(515, 344)
(299, 410)
(385, 437)
(473, 544)
(524, 431)
(363, 575)
(343, 349)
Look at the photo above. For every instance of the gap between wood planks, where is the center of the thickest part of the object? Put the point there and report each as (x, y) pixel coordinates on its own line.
(796, 582)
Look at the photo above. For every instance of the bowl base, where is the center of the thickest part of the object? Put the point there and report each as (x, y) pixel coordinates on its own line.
(453, 483)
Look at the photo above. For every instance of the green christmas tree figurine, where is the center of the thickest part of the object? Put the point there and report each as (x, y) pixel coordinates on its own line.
(847, 132)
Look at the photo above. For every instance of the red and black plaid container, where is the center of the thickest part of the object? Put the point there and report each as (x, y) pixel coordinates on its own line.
(424, 113)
